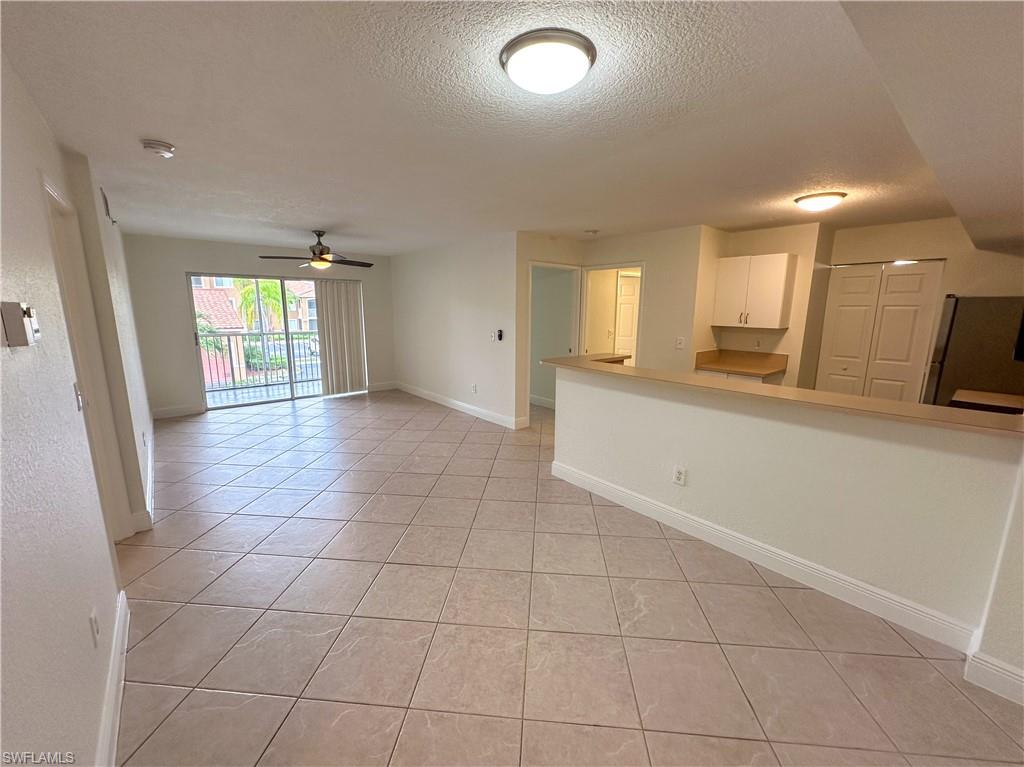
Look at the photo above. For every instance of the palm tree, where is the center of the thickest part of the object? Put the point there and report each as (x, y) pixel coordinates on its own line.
(270, 298)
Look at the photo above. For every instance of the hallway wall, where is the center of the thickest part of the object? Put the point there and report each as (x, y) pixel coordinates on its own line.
(56, 564)
(122, 361)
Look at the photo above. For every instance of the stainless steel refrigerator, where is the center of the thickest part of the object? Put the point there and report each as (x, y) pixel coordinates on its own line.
(979, 345)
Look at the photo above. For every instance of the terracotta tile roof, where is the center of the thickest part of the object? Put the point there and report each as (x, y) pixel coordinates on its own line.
(302, 289)
(215, 304)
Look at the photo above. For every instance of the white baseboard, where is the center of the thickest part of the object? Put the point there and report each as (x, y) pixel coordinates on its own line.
(142, 520)
(892, 607)
(110, 720)
(536, 399)
(151, 471)
(382, 386)
(177, 411)
(995, 676)
(463, 407)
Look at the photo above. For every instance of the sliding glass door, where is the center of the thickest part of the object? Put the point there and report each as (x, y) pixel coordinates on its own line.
(257, 338)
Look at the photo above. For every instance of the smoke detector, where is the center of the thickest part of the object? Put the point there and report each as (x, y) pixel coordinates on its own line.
(161, 148)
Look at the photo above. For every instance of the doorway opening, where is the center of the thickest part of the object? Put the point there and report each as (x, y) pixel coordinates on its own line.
(554, 325)
(611, 311)
(258, 339)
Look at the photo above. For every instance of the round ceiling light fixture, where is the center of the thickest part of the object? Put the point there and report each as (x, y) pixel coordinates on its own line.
(548, 60)
(820, 200)
(161, 148)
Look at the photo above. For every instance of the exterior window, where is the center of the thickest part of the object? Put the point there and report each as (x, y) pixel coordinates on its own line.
(197, 282)
(294, 325)
(312, 323)
(311, 307)
(222, 282)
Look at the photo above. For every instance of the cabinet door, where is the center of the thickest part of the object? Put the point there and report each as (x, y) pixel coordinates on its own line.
(731, 291)
(769, 291)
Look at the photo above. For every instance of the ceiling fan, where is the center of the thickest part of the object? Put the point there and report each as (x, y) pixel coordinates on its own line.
(321, 257)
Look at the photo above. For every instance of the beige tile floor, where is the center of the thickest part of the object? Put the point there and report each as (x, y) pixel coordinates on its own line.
(380, 580)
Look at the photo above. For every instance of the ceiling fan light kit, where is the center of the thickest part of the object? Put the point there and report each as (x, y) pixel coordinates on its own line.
(321, 256)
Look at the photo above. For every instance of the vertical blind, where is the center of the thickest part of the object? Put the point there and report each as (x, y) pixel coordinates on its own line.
(339, 306)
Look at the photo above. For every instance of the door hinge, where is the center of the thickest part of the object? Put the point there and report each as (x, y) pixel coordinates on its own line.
(79, 399)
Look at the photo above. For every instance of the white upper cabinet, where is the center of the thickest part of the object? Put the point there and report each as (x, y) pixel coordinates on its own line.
(731, 291)
(754, 291)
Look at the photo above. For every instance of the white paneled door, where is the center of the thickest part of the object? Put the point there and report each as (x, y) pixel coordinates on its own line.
(627, 309)
(879, 324)
(849, 321)
(908, 301)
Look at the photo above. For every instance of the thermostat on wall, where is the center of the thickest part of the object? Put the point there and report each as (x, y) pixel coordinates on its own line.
(20, 326)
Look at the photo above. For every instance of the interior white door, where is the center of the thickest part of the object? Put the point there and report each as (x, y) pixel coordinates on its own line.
(627, 311)
(599, 311)
(904, 325)
(847, 330)
(731, 291)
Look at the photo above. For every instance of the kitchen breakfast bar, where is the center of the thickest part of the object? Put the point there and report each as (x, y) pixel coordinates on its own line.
(842, 508)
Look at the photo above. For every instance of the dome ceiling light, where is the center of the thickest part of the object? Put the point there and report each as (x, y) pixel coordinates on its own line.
(548, 60)
(820, 201)
(161, 148)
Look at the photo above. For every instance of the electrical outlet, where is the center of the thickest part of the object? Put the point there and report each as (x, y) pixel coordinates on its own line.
(94, 627)
(757, 343)
(679, 476)
(473, 388)
(680, 343)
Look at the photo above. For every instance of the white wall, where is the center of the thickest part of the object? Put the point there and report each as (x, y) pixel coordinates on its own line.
(817, 302)
(108, 280)
(56, 559)
(447, 302)
(911, 510)
(968, 271)
(1001, 650)
(668, 289)
(802, 240)
(553, 302)
(157, 268)
(712, 247)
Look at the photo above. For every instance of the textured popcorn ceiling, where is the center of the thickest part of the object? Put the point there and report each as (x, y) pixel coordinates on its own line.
(392, 125)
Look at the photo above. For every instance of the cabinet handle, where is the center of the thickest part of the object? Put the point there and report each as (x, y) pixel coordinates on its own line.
(740, 320)
(746, 320)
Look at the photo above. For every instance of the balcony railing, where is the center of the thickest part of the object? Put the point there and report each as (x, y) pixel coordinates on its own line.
(242, 360)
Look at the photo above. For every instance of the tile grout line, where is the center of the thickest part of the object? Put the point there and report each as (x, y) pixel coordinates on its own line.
(469, 530)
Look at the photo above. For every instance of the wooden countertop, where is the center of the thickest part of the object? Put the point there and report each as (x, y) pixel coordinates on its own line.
(761, 364)
(988, 400)
(946, 417)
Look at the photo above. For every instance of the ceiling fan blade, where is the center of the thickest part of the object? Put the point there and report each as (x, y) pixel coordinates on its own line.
(287, 258)
(342, 261)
